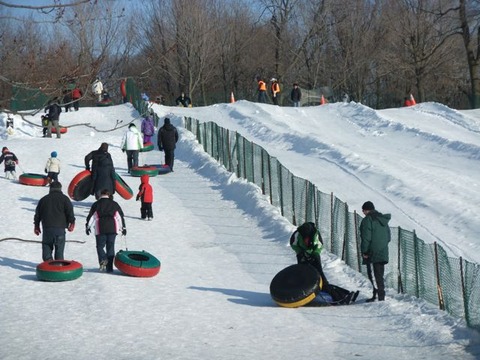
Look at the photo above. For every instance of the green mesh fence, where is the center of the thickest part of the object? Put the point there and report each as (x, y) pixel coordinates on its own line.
(415, 268)
(27, 99)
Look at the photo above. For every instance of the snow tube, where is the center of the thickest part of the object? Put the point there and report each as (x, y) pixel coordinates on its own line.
(144, 170)
(105, 103)
(59, 270)
(122, 188)
(33, 179)
(148, 146)
(63, 130)
(80, 186)
(123, 88)
(295, 286)
(163, 169)
(137, 263)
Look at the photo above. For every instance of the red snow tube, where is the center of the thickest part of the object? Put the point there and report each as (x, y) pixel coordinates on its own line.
(63, 130)
(122, 188)
(123, 88)
(137, 263)
(80, 186)
(144, 170)
(59, 270)
(296, 285)
(105, 103)
(33, 179)
(148, 146)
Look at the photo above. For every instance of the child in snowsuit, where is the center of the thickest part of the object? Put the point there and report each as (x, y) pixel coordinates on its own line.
(45, 125)
(52, 167)
(307, 243)
(10, 162)
(148, 128)
(145, 194)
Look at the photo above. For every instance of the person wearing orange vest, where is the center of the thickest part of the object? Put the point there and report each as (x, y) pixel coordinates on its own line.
(262, 91)
(275, 88)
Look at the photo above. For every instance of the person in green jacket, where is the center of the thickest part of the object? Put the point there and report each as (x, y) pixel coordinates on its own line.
(375, 236)
(307, 243)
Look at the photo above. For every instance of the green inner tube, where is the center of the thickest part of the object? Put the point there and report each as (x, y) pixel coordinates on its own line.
(144, 170)
(59, 270)
(122, 188)
(147, 147)
(140, 259)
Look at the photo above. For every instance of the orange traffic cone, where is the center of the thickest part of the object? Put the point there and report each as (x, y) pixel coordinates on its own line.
(412, 100)
(232, 98)
(322, 100)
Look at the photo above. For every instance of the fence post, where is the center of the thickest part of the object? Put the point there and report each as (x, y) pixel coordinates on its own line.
(253, 162)
(464, 295)
(345, 233)
(205, 137)
(262, 164)
(244, 159)
(280, 182)
(270, 177)
(359, 250)
(400, 283)
(331, 221)
(415, 252)
(237, 145)
(294, 216)
(441, 304)
(229, 156)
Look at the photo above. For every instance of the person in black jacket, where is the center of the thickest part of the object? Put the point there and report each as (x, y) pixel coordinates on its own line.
(107, 217)
(296, 95)
(55, 212)
(166, 139)
(183, 100)
(103, 171)
(53, 113)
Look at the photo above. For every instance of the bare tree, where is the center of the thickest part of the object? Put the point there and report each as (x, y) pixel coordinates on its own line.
(422, 45)
(469, 17)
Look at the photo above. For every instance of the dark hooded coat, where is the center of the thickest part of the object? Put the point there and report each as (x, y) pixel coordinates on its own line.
(375, 235)
(103, 171)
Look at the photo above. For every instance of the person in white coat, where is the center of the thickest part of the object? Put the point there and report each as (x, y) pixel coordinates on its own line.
(97, 89)
(132, 143)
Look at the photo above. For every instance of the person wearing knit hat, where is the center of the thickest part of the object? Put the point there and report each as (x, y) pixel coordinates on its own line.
(368, 205)
(52, 167)
(375, 236)
(10, 161)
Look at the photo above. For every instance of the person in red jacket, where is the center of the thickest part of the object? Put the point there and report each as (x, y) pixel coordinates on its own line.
(145, 194)
(76, 95)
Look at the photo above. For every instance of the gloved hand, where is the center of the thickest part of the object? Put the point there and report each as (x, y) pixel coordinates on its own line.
(87, 168)
(71, 227)
(123, 150)
(46, 172)
(124, 231)
(160, 148)
(138, 197)
(87, 229)
(37, 230)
